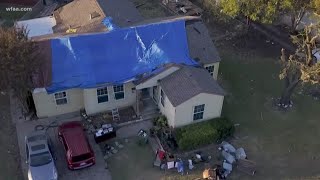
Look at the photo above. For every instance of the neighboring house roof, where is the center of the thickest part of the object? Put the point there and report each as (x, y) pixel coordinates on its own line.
(200, 43)
(83, 15)
(86, 61)
(201, 47)
(38, 26)
(188, 82)
(123, 12)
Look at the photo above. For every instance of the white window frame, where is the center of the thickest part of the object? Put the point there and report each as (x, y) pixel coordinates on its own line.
(162, 97)
(210, 69)
(104, 93)
(197, 111)
(114, 92)
(57, 97)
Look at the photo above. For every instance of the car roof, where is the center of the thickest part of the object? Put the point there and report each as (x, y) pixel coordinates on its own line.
(75, 138)
(316, 53)
(37, 142)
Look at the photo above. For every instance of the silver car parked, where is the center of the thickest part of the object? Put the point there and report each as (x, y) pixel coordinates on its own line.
(39, 157)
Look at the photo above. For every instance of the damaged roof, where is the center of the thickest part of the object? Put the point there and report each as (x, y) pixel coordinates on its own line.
(188, 82)
(201, 46)
(83, 15)
(123, 12)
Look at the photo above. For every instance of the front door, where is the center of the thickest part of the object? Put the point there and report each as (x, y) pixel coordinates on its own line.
(145, 93)
(155, 93)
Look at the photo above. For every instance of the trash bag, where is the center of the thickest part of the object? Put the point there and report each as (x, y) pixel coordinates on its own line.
(228, 147)
(240, 154)
(227, 166)
(228, 157)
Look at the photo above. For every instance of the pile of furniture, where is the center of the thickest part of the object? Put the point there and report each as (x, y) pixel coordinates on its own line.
(106, 132)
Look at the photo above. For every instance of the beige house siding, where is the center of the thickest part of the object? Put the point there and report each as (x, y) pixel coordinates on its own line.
(154, 80)
(168, 110)
(91, 101)
(184, 112)
(46, 105)
(216, 69)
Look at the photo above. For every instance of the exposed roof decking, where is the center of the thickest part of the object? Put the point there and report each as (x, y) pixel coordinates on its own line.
(76, 15)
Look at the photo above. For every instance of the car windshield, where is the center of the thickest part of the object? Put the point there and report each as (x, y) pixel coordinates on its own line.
(40, 159)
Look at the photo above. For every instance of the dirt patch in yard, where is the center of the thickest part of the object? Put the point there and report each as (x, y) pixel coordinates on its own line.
(133, 162)
(9, 150)
(126, 114)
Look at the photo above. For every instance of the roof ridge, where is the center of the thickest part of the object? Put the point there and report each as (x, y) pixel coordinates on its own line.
(192, 80)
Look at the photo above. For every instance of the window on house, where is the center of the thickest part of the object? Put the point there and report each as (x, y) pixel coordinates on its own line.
(102, 94)
(118, 92)
(61, 98)
(198, 112)
(162, 96)
(210, 69)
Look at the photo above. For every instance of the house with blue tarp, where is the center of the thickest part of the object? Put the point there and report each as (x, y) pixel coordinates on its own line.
(169, 66)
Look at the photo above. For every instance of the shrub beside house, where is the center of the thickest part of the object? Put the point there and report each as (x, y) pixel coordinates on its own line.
(203, 133)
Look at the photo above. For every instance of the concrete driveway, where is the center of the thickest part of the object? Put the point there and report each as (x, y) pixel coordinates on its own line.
(96, 172)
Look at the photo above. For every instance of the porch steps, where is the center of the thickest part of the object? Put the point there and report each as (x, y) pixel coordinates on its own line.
(150, 109)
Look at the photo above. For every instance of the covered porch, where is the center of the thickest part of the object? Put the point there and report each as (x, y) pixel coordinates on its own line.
(146, 103)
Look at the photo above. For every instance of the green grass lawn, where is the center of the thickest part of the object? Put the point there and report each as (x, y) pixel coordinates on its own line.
(283, 144)
(133, 162)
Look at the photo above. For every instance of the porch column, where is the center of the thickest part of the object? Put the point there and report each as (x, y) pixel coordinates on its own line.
(138, 102)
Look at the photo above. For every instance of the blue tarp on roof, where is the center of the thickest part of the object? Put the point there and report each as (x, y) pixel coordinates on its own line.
(87, 61)
(108, 22)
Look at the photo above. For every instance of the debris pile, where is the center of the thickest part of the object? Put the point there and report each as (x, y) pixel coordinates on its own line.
(235, 158)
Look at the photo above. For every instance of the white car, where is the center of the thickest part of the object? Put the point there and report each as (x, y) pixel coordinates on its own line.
(316, 54)
(39, 157)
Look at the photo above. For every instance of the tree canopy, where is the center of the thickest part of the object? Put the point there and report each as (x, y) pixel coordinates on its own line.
(19, 59)
(266, 11)
(316, 5)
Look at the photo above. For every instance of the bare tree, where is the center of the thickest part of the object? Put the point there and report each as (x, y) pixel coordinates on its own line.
(301, 66)
(19, 60)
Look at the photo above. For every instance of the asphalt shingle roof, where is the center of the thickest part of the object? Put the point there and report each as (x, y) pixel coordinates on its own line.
(188, 82)
(76, 15)
(200, 43)
(123, 12)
